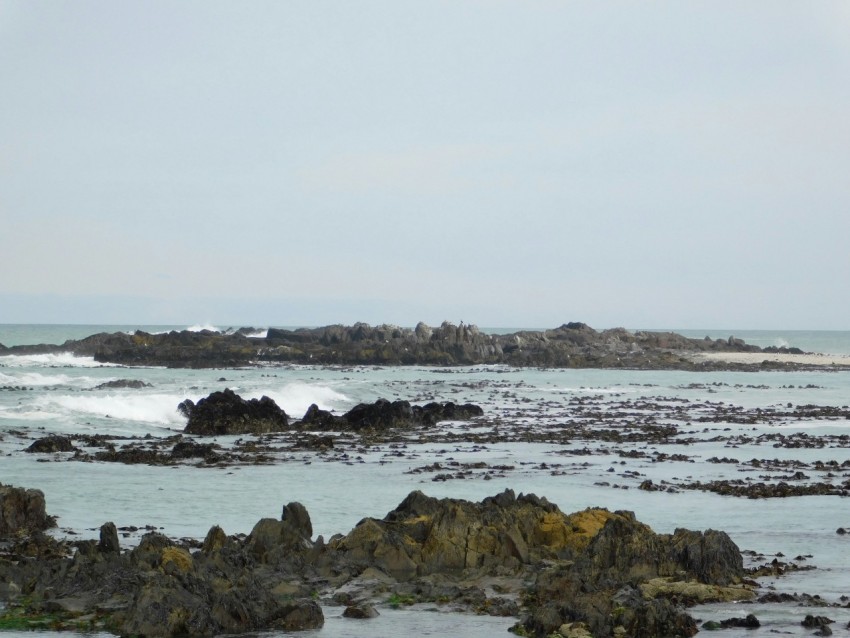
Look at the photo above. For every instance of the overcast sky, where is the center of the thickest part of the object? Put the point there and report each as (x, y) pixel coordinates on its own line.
(521, 164)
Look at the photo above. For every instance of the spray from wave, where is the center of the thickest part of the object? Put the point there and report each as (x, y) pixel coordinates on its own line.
(201, 327)
(36, 379)
(56, 360)
(158, 409)
(296, 397)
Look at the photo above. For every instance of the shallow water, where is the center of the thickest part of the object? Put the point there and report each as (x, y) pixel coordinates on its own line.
(58, 394)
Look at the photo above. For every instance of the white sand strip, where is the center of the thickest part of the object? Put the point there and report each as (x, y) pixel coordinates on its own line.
(757, 357)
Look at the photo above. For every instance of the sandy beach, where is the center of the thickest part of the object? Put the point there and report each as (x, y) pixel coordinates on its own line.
(756, 358)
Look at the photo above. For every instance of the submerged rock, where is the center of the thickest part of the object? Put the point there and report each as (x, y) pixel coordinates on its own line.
(51, 444)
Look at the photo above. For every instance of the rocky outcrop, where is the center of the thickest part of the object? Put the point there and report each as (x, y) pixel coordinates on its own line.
(226, 412)
(383, 414)
(22, 511)
(51, 444)
(573, 345)
(593, 572)
(121, 384)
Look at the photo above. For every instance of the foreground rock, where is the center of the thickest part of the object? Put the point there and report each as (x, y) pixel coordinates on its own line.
(598, 572)
(22, 511)
(572, 345)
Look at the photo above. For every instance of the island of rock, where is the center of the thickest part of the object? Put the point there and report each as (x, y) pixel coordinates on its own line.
(572, 345)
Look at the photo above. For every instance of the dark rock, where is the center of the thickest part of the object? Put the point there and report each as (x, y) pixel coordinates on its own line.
(190, 449)
(295, 515)
(750, 622)
(109, 539)
(51, 444)
(134, 384)
(361, 611)
(319, 419)
(573, 345)
(816, 621)
(22, 511)
(589, 570)
(226, 412)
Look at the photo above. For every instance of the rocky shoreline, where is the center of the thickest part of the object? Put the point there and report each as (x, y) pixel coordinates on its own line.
(572, 345)
(589, 573)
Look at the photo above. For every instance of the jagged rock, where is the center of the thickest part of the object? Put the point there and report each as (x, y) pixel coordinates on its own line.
(22, 511)
(109, 539)
(573, 345)
(319, 419)
(588, 569)
(226, 412)
(51, 444)
(383, 414)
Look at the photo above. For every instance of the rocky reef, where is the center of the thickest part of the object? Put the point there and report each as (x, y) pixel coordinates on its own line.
(225, 412)
(572, 345)
(592, 572)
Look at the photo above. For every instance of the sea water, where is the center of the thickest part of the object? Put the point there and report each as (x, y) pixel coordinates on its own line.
(58, 394)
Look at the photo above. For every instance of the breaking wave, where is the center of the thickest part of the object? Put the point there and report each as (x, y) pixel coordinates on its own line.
(56, 360)
(159, 409)
(36, 379)
(296, 397)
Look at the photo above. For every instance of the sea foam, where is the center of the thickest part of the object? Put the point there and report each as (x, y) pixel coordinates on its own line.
(296, 397)
(54, 360)
(36, 379)
(159, 409)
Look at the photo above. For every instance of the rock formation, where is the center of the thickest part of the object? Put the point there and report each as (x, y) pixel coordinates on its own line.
(572, 345)
(593, 572)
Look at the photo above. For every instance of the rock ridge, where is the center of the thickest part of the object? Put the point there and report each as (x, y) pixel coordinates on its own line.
(507, 555)
(571, 345)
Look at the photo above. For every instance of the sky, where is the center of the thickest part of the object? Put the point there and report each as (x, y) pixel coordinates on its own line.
(509, 164)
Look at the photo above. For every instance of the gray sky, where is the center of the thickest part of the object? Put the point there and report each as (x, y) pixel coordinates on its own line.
(526, 163)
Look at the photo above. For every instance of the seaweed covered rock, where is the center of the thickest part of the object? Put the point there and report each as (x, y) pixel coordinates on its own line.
(384, 414)
(51, 444)
(226, 412)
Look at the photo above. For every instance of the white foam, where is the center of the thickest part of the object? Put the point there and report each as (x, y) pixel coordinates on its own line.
(259, 334)
(159, 409)
(43, 380)
(296, 397)
(200, 327)
(55, 360)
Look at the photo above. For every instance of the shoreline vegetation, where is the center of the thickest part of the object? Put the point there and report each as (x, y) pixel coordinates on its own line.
(572, 345)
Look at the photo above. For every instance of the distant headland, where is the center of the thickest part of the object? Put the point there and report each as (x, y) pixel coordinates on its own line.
(572, 345)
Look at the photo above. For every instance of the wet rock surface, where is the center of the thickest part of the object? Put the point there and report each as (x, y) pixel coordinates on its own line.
(22, 511)
(572, 345)
(226, 412)
(505, 555)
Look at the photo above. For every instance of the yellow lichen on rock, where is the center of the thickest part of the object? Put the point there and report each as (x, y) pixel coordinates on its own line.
(693, 592)
(573, 531)
(177, 557)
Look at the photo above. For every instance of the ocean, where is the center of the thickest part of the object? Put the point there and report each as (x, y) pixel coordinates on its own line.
(42, 394)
